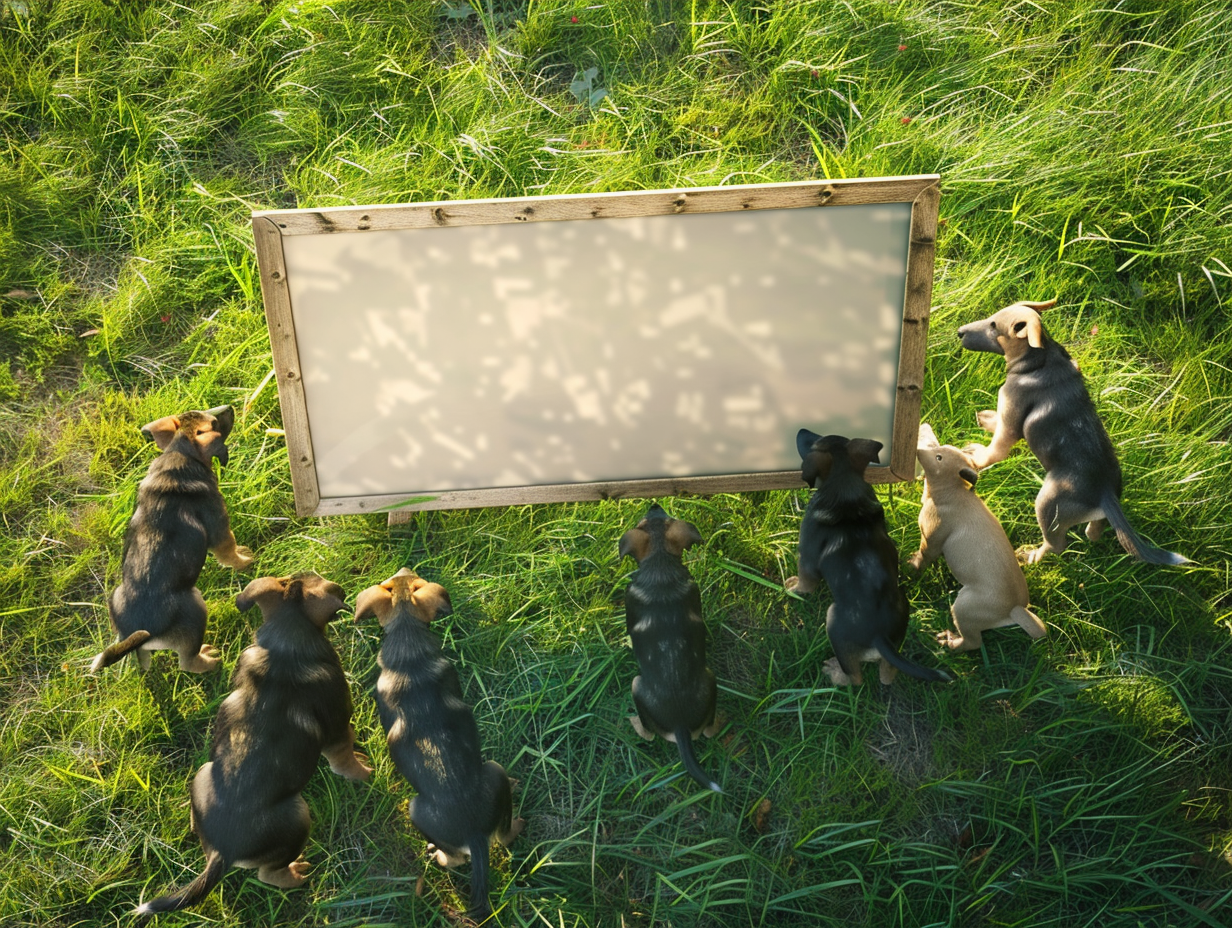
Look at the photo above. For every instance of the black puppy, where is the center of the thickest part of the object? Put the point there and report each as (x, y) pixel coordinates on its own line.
(675, 691)
(289, 704)
(180, 516)
(843, 538)
(462, 802)
(1045, 400)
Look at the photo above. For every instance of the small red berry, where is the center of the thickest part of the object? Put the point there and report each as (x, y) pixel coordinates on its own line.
(165, 318)
(816, 73)
(573, 19)
(902, 48)
(906, 119)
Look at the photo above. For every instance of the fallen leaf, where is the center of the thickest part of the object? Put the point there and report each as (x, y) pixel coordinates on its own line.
(760, 816)
(87, 333)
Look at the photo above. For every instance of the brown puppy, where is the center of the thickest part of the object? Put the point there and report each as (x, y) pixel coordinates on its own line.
(462, 802)
(289, 704)
(843, 538)
(955, 522)
(1045, 400)
(180, 516)
(675, 692)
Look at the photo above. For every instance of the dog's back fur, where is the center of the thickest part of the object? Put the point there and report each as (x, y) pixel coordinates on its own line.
(433, 738)
(843, 539)
(290, 703)
(675, 691)
(180, 517)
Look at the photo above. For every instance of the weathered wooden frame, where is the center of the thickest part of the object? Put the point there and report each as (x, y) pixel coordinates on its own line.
(269, 227)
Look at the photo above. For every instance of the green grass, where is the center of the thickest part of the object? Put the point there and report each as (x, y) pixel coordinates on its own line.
(1084, 148)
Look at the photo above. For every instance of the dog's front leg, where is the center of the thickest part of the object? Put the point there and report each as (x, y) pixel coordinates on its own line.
(230, 554)
(1006, 427)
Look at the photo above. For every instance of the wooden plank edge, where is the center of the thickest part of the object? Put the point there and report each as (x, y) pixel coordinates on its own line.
(917, 305)
(624, 204)
(575, 493)
(276, 298)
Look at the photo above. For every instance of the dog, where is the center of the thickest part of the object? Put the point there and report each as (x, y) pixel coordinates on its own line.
(675, 691)
(1045, 400)
(180, 516)
(462, 802)
(955, 522)
(289, 703)
(843, 538)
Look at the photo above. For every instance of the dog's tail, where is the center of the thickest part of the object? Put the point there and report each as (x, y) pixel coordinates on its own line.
(194, 892)
(684, 741)
(116, 651)
(480, 908)
(887, 651)
(1129, 539)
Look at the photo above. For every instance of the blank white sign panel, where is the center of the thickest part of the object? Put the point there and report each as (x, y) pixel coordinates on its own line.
(522, 354)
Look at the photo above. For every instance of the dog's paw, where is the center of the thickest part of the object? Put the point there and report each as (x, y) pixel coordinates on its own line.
(203, 661)
(978, 454)
(1031, 555)
(916, 563)
(987, 418)
(638, 727)
(834, 670)
(242, 559)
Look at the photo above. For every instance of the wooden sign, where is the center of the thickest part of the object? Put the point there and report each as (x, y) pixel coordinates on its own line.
(539, 349)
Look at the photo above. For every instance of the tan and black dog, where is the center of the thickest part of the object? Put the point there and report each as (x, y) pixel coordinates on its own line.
(955, 522)
(674, 693)
(1045, 400)
(289, 704)
(462, 802)
(843, 538)
(180, 516)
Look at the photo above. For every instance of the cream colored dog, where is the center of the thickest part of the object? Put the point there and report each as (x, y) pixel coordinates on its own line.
(955, 522)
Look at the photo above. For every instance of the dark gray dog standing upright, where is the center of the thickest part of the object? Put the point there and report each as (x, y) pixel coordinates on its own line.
(843, 539)
(1045, 400)
(674, 693)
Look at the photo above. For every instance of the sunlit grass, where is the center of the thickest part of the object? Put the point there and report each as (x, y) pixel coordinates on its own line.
(1080, 780)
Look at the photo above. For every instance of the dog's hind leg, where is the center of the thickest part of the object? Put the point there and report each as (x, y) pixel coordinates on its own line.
(967, 614)
(1056, 512)
(1095, 528)
(1030, 623)
(345, 761)
(640, 720)
(284, 833)
(188, 632)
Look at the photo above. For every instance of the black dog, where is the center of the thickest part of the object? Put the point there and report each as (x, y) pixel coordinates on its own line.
(433, 739)
(180, 516)
(1045, 400)
(675, 691)
(289, 704)
(843, 538)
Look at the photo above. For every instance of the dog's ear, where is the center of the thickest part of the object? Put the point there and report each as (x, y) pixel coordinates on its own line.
(1030, 328)
(863, 451)
(816, 467)
(161, 431)
(374, 601)
(431, 601)
(927, 439)
(680, 536)
(635, 542)
(968, 475)
(1040, 307)
(258, 590)
(804, 442)
(224, 419)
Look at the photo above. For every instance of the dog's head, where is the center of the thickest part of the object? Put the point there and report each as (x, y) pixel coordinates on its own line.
(1010, 331)
(426, 601)
(943, 463)
(319, 599)
(818, 453)
(658, 532)
(201, 434)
